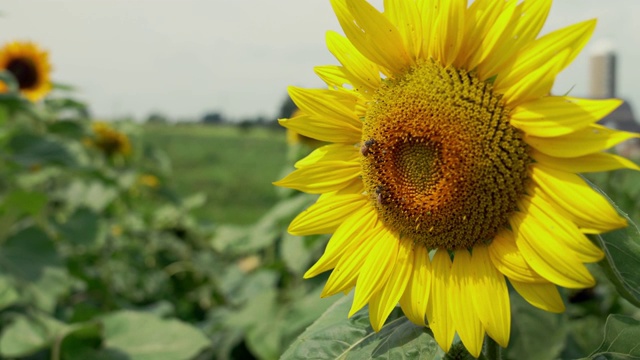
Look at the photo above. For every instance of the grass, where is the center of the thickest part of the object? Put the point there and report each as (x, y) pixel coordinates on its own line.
(232, 166)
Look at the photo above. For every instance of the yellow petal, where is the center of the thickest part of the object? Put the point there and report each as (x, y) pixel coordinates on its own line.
(429, 12)
(544, 296)
(331, 152)
(382, 303)
(509, 261)
(536, 83)
(548, 257)
(366, 74)
(563, 230)
(462, 299)
(325, 129)
(326, 214)
(349, 236)
(376, 270)
(372, 34)
(325, 176)
(592, 139)
(545, 50)
(560, 115)
(438, 313)
(585, 164)
(346, 272)
(491, 296)
(334, 76)
(327, 104)
(416, 295)
(585, 207)
(523, 27)
(447, 35)
(405, 16)
(486, 22)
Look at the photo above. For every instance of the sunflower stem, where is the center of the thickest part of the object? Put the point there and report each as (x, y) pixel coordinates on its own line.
(492, 351)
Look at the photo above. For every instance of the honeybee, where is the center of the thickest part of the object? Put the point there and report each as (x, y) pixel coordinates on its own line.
(366, 146)
(380, 198)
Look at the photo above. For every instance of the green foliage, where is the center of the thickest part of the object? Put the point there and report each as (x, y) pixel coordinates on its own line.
(101, 258)
(333, 336)
(233, 168)
(621, 334)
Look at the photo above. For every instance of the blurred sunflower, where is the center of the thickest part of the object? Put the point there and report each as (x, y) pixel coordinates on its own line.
(148, 180)
(30, 67)
(109, 140)
(451, 167)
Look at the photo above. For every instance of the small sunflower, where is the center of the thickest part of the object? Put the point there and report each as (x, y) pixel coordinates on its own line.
(109, 140)
(451, 168)
(150, 181)
(30, 67)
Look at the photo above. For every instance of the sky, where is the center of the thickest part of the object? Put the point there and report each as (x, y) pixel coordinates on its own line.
(183, 58)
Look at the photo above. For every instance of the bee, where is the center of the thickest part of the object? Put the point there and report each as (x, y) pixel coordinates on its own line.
(366, 146)
(380, 195)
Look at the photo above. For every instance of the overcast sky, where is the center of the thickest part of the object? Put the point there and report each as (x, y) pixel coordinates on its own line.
(186, 57)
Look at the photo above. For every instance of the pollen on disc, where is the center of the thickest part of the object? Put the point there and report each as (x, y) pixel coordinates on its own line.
(441, 162)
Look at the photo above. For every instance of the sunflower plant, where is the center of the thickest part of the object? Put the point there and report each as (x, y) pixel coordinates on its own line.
(452, 184)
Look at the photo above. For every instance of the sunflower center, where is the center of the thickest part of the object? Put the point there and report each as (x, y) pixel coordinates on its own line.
(25, 72)
(441, 162)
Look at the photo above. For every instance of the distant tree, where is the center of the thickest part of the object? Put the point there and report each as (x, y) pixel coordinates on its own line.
(213, 118)
(287, 108)
(157, 118)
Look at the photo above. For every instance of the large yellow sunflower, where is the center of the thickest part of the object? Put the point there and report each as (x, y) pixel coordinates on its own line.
(30, 67)
(451, 167)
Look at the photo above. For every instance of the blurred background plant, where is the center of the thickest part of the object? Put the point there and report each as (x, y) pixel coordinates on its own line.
(102, 258)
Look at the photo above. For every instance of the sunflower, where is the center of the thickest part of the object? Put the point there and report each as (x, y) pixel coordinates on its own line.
(451, 168)
(109, 140)
(30, 67)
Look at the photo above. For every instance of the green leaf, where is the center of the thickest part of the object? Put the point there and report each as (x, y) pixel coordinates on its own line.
(84, 341)
(26, 335)
(621, 334)
(334, 336)
(535, 334)
(622, 260)
(32, 150)
(25, 202)
(8, 293)
(47, 290)
(27, 253)
(82, 228)
(67, 128)
(144, 336)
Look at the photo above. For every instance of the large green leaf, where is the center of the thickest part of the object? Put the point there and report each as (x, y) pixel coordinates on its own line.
(33, 150)
(144, 336)
(47, 290)
(535, 334)
(26, 335)
(334, 336)
(21, 201)
(27, 253)
(82, 227)
(622, 260)
(621, 339)
(67, 128)
(8, 293)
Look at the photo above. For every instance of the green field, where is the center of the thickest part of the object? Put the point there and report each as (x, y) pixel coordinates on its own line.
(233, 167)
